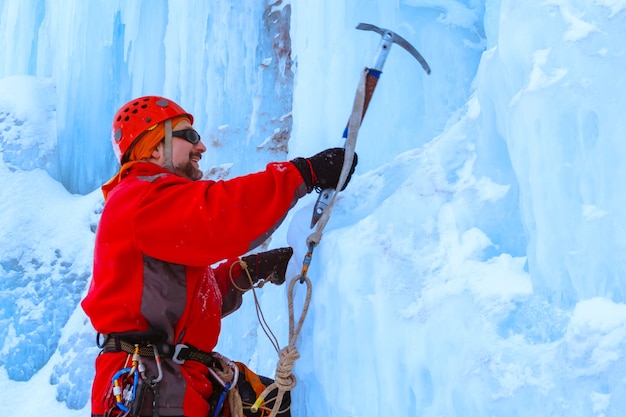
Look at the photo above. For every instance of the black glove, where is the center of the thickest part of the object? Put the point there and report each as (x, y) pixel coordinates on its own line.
(323, 169)
(270, 266)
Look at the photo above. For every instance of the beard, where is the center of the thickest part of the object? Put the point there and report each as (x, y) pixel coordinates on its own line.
(188, 169)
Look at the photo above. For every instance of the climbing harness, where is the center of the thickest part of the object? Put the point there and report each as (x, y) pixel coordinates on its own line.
(129, 384)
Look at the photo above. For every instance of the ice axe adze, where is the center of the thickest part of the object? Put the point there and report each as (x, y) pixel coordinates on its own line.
(371, 79)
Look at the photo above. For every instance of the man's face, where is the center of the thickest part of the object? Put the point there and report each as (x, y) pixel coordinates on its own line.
(186, 155)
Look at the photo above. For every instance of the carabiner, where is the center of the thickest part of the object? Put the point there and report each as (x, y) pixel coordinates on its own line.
(157, 359)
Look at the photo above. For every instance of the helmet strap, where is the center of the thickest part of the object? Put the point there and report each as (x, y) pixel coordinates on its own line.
(168, 146)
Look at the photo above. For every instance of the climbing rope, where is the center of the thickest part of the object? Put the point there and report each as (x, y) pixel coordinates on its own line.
(284, 379)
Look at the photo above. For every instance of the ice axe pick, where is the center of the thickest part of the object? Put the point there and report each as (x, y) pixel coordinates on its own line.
(388, 38)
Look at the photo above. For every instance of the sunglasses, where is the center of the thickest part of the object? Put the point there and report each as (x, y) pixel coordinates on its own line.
(189, 135)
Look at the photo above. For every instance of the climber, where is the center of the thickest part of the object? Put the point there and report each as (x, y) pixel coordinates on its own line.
(157, 297)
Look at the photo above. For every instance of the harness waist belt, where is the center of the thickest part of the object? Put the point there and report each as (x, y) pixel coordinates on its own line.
(177, 353)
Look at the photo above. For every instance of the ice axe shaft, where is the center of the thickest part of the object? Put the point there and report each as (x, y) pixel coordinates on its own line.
(388, 38)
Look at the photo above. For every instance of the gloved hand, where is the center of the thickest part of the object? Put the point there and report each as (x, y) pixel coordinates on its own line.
(323, 169)
(270, 266)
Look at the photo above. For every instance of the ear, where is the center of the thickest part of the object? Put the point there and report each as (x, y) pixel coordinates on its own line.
(156, 152)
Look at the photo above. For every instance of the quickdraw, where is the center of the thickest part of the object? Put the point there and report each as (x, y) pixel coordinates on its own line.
(129, 383)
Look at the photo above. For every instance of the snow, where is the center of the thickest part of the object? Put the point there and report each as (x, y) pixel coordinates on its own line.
(473, 267)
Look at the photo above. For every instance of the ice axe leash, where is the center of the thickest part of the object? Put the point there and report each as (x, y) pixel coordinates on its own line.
(285, 380)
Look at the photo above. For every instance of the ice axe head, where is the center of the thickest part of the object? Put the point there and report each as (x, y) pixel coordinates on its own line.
(389, 37)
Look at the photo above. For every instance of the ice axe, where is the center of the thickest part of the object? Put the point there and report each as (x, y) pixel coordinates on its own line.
(323, 208)
(371, 79)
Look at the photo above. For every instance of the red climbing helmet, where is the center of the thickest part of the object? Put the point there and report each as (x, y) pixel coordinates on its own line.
(136, 116)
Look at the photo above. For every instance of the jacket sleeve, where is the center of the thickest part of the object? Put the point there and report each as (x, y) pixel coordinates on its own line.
(203, 222)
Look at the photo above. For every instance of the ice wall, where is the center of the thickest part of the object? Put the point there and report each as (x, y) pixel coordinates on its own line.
(419, 298)
(551, 94)
(473, 267)
(226, 62)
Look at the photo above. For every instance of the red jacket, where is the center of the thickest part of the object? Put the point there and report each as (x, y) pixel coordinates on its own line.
(157, 237)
